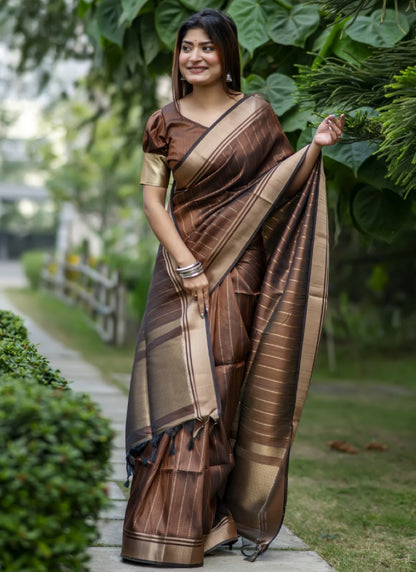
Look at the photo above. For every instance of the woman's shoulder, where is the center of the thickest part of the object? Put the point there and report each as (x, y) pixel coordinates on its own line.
(155, 133)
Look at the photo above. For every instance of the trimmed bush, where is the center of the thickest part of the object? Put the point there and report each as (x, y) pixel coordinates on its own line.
(54, 461)
(20, 358)
(53, 465)
(32, 261)
(12, 326)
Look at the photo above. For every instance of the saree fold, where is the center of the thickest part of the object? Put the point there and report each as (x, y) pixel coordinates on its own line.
(232, 189)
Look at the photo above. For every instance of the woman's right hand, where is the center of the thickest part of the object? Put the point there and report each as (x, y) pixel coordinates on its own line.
(198, 287)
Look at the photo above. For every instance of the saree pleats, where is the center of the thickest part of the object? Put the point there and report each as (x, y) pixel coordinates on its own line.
(214, 403)
(175, 512)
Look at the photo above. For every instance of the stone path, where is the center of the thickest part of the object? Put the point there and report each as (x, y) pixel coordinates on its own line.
(288, 553)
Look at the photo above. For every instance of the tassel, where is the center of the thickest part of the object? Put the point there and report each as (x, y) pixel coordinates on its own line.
(154, 442)
(172, 434)
(190, 426)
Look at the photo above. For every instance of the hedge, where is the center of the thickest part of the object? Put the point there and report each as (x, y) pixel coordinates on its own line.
(54, 462)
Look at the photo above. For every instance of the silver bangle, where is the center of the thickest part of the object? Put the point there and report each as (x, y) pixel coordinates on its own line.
(197, 273)
(190, 267)
(190, 271)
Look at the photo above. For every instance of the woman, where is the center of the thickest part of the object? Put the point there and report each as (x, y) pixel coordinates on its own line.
(234, 310)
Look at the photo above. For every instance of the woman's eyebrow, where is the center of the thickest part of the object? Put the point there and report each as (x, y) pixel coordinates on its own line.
(200, 43)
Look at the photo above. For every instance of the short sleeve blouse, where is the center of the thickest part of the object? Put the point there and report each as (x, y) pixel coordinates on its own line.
(167, 138)
(155, 169)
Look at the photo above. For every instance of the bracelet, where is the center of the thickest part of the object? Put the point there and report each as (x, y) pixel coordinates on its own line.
(194, 269)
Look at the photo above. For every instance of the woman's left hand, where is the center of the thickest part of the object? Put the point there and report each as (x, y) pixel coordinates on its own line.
(330, 130)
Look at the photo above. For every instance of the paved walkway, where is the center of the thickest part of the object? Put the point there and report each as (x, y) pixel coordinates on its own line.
(288, 553)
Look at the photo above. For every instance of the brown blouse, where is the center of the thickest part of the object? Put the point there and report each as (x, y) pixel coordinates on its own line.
(167, 138)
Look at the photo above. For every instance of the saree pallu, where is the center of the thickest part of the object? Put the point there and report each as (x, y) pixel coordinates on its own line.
(182, 401)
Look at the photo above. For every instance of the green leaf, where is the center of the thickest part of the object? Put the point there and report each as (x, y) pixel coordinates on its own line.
(293, 28)
(197, 5)
(83, 7)
(251, 18)
(379, 213)
(352, 155)
(131, 8)
(148, 37)
(169, 16)
(350, 50)
(108, 18)
(131, 52)
(278, 89)
(375, 32)
(295, 119)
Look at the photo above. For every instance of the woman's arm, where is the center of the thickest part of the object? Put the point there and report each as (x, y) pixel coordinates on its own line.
(328, 133)
(166, 232)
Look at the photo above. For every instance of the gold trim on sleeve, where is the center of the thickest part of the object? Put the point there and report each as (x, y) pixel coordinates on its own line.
(155, 170)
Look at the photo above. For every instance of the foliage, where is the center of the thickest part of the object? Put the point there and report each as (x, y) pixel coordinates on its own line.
(132, 42)
(32, 261)
(399, 130)
(12, 326)
(53, 463)
(286, 46)
(345, 8)
(21, 358)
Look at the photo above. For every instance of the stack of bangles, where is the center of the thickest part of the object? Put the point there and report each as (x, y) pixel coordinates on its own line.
(191, 271)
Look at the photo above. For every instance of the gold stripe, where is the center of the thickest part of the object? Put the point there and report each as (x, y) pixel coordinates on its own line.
(155, 170)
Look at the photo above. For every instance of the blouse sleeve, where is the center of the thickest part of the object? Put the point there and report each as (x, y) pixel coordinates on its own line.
(155, 170)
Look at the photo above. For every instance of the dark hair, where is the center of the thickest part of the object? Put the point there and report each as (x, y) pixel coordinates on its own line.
(222, 30)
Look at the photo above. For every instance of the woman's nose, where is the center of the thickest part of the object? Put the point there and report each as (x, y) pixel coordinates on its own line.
(195, 54)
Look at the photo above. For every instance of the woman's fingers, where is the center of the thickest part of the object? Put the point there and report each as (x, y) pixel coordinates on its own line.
(198, 287)
(336, 125)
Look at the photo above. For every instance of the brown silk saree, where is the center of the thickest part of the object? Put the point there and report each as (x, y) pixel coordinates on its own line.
(239, 376)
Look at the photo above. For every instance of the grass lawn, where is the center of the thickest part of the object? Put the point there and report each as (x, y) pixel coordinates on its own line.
(357, 510)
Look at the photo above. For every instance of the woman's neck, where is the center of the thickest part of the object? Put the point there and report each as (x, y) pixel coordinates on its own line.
(208, 97)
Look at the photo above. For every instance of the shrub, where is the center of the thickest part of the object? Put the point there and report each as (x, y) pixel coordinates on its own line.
(53, 464)
(12, 326)
(20, 358)
(32, 264)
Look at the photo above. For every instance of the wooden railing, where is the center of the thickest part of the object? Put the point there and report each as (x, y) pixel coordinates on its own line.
(99, 293)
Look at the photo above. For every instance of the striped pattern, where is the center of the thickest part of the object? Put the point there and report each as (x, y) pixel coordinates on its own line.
(243, 372)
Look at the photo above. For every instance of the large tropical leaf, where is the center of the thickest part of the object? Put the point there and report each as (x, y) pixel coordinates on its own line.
(295, 119)
(251, 19)
(169, 16)
(148, 37)
(197, 5)
(379, 32)
(293, 27)
(350, 50)
(278, 89)
(379, 212)
(131, 8)
(109, 14)
(352, 155)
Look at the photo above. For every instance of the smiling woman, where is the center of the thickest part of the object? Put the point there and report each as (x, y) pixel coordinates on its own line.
(234, 311)
(199, 61)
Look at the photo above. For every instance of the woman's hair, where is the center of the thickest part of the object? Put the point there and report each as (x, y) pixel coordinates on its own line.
(222, 30)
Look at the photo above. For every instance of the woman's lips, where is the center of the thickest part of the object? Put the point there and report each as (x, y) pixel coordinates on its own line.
(197, 69)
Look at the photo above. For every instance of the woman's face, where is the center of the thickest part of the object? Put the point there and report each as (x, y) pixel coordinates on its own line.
(199, 59)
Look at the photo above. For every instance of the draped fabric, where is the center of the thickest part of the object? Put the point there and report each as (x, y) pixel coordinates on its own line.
(215, 402)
